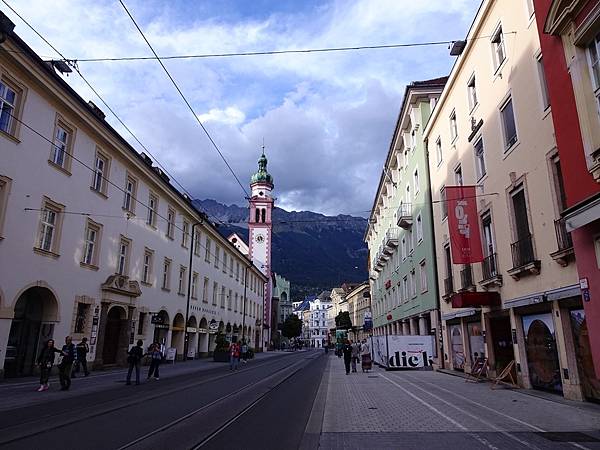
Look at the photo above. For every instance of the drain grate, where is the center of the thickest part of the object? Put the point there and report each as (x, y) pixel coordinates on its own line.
(567, 436)
(372, 407)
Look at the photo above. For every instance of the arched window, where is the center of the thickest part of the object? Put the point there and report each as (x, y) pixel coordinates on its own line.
(257, 218)
(263, 215)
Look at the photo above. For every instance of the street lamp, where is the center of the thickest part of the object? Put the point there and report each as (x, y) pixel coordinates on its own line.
(186, 340)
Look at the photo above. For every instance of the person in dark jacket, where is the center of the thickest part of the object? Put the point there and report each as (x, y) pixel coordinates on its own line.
(46, 360)
(347, 352)
(82, 350)
(156, 358)
(66, 365)
(134, 359)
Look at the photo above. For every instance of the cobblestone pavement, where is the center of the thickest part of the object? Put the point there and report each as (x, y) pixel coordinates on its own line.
(426, 409)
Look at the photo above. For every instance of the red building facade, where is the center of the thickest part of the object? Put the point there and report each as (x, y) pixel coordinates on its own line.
(570, 53)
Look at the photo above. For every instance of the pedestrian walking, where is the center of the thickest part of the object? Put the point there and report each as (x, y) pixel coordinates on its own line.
(82, 350)
(66, 365)
(134, 359)
(244, 352)
(234, 356)
(347, 352)
(46, 360)
(365, 354)
(355, 355)
(155, 360)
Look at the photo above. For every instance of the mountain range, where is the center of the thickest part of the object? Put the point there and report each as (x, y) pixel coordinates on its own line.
(315, 252)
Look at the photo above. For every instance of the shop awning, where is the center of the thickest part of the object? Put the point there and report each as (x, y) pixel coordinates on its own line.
(469, 299)
(581, 214)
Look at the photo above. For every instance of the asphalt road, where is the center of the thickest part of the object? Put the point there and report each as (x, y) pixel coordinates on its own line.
(265, 405)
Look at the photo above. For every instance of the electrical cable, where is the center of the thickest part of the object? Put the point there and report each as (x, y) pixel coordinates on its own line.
(185, 100)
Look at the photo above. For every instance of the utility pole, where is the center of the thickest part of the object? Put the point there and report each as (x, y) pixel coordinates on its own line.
(186, 340)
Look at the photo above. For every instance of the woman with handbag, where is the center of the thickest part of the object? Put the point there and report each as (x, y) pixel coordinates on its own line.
(156, 358)
(46, 361)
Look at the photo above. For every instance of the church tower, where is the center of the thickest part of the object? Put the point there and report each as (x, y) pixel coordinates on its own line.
(260, 233)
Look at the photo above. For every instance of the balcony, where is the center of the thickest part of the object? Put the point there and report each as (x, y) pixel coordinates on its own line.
(448, 288)
(405, 219)
(466, 278)
(391, 239)
(565, 243)
(523, 257)
(489, 269)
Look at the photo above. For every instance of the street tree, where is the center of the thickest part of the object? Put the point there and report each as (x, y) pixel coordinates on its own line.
(343, 321)
(292, 327)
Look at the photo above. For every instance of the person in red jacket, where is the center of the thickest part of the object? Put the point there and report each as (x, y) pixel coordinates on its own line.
(234, 356)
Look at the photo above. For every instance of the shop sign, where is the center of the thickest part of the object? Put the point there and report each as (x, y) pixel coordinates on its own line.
(463, 224)
(403, 352)
(191, 329)
(162, 326)
(170, 354)
(368, 322)
(202, 330)
(157, 319)
(388, 284)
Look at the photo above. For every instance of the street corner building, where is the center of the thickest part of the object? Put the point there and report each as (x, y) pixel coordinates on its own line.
(96, 242)
(402, 274)
(505, 219)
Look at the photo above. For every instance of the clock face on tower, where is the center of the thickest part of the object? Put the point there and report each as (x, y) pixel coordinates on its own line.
(259, 239)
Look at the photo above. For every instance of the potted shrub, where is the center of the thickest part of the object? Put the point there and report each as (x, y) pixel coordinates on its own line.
(221, 352)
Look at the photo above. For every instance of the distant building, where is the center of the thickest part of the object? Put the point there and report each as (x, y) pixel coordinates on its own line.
(359, 303)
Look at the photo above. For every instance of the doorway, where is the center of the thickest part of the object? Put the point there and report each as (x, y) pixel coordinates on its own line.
(36, 311)
(542, 355)
(458, 349)
(115, 321)
(501, 339)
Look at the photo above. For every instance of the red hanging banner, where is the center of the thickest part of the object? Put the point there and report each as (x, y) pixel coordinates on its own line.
(463, 224)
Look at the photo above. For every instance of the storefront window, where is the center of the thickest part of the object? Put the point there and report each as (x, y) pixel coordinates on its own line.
(542, 356)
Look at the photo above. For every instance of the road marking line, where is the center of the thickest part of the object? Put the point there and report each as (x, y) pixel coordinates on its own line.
(485, 422)
(522, 422)
(448, 418)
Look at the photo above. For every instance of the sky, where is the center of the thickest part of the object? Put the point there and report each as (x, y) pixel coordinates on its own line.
(326, 119)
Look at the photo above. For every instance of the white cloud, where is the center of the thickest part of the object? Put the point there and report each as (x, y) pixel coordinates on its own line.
(326, 118)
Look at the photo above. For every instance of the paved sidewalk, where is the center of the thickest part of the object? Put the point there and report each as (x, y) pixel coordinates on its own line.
(22, 392)
(426, 409)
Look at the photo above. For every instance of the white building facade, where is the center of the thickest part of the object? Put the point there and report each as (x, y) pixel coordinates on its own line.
(94, 240)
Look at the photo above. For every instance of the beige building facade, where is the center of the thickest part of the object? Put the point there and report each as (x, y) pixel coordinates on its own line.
(94, 239)
(492, 129)
(359, 303)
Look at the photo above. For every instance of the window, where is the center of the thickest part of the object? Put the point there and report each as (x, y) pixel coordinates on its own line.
(91, 243)
(205, 290)
(195, 285)
(152, 210)
(5, 184)
(215, 293)
(488, 237)
(594, 63)
(130, 190)
(472, 91)
(543, 84)
(224, 262)
(166, 279)
(498, 47)
(448, 260)
(443, 202)
(141, 322)
(411, 241)
(231, 266)
(197, 243)
(147, 266)
(521, 217)
(60, 152)
(508, 124)
(235, 304)
(81, 317)
(207, 252)
(237, 271)
(50, 224)
(438, 150)
(458, 176)
(423, 276)
(530, 8)
(181, 282)
(223, 297)
(559, 186)
(217, 256)
(123, 258)
(416, 184)
(170, 223)
(185, 233)
(453, 126)
(101, 167)
(479, 159)
(413, 284)
(419, 228)
(9, 97)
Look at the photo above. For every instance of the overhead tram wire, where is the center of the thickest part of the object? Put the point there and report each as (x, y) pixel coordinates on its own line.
(214, 144)
(73, 64)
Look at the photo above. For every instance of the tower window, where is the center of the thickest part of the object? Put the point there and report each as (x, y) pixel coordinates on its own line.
(263, 213)
(257, 218)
